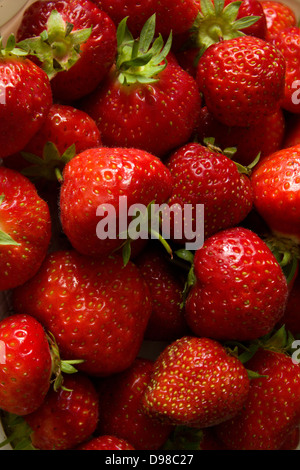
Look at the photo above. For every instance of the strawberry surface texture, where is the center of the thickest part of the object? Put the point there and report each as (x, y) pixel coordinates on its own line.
(150, 226)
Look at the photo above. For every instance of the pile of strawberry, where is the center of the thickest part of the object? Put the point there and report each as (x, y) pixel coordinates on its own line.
(166, 102)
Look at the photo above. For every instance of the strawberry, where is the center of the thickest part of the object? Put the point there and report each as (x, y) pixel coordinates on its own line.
(196, 382)
(70, 25)
(143, 88)
(100, 176)
(272, 409)
(242, 80)
(166, 286)
(278, 16)
(26, 368)
(240, 291)
(213, 180)
(276, 190)
(258, 139)
(25, 98)
(288, 43)
(96, 310)
(120, 408)
(25, 229)
(106, 443)
(67, 417)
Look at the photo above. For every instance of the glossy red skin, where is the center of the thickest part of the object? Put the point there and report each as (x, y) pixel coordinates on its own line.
(120, 408)
(66, 418)
(264, 138)
(96, 310)
(25, 216)
(238, 90)
(196, 383)
(288, 43)
(98, 52)
(125, 115)
(25, 369)
(240, 291)
(278, 17)
(172, 15)
(28, 97)
(253, 8)
(100, 176)
(276, 189)
(214, 181)
(106, 443)
(272, 409)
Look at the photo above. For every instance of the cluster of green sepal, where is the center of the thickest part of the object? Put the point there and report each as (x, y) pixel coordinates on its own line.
(11, 49)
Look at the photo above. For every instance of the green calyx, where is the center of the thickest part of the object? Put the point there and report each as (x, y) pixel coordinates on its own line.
(10, 49)
(216, 22)
(58, 47)
(141, 60)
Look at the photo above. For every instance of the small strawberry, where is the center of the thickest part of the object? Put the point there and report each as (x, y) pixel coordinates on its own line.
(196, 382)
(242, 80)
(67, 417)
(97, 310)
(120, 408)
(106, 443)
(25, 98)
(73, 40)
(141, 89)
(25, 233)
(240, 291)
(272, 409)
(25, 366)
(278, 16)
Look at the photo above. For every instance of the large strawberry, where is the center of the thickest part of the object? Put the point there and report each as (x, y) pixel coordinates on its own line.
(25, 364)
(25, 98)
(92, 213)
(242, 80)
(146, 101)
(96, 310)
(25, 232)
(240, 291)
(74, 41)
(272, 409)
(196, 382)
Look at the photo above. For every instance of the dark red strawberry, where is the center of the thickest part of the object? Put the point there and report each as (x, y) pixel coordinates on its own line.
(279, 16)
(25, 98)
(196, 382)
(67, 417)
(25, 232)
(96, 310)
(120, 408)
(240, 291)
(106, 443)
(25, 364)
(272, 409)
(74, 73)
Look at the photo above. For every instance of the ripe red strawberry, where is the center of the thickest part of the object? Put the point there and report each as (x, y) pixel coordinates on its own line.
(240, 291)
(98, 177)
(64, 126)
(25, 232)
(288, 43)
(278, 16)
(25, 98)
(213, 180)
(263, 138)
(141, 90)
(272, 409)
(96, 310)
(120, 408)
(106, 443)
(25, 364)
(196, 382)
(166, 286)
(92, 29)
(276, 189)
(67, 417)
(242, 80)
